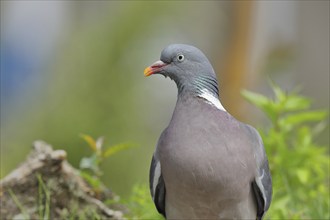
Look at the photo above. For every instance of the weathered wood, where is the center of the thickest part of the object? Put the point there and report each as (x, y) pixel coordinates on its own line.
(69, 195)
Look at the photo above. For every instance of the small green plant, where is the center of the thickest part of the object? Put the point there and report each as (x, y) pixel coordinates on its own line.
(90, 166)
(299, 166)
(44, 195)
(23, 215)
(140, 204)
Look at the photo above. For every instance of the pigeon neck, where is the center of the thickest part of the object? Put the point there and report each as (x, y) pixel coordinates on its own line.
(211, 99)
(205, 87)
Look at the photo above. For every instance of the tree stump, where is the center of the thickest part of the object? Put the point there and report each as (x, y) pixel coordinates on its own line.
(46, 186)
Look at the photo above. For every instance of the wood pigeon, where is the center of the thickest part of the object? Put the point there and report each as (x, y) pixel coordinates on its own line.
(207, 165)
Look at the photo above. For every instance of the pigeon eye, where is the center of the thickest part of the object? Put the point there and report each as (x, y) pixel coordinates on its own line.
(180, 57)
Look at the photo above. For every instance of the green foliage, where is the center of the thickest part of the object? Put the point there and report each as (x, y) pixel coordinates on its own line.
(299, 166)
(92, 163)
(44, 195)
(76, 213)
(140, 204)
(23, 215)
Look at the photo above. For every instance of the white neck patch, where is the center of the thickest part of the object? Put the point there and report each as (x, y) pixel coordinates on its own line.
(211, 99)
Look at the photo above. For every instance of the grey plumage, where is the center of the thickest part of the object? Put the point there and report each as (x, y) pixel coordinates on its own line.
(207, 165)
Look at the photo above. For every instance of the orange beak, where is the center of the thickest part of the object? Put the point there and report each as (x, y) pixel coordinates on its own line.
(154, 68)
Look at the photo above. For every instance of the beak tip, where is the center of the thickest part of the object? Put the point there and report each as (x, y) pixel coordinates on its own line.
(147, 71)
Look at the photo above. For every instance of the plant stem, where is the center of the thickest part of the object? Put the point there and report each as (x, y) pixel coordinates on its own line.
(18, 204)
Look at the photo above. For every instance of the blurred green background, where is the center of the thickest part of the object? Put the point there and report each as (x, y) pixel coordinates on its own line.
(72, 67)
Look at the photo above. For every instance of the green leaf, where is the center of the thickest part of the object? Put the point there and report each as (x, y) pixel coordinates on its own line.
(279, 94)
(298, 118)
(304, 137)
(255, 98)
(90, 141)
(93, 181)
(294, 103)
(116, 148)
(91, 163)
(86, 163)
(262, 102)
(281, 203)
(303, 175)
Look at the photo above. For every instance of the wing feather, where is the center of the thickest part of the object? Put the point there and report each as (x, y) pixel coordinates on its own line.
(262, 184)
(157, 186)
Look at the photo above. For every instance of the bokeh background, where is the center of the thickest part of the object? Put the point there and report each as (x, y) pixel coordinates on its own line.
(73, 67)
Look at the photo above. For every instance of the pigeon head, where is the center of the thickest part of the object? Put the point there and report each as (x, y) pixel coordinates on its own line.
(188, 67)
